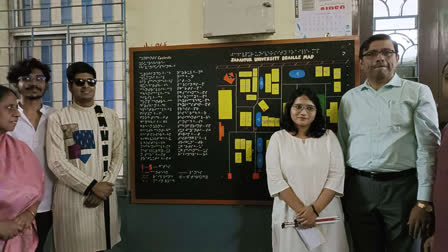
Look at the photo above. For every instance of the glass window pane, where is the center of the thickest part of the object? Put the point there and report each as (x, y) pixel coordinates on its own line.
(380, 9)
(392, 17)
(395, 23)
(410, 8)
(384, 8)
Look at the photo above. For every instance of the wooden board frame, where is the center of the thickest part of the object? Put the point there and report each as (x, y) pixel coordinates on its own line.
(216, 45)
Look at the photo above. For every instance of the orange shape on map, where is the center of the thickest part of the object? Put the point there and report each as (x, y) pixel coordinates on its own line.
(229, 78)
(221, 131)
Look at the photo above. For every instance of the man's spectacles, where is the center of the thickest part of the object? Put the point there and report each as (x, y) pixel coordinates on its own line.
(307, 108)
(28, 78)
(375, 53)
(80, 82)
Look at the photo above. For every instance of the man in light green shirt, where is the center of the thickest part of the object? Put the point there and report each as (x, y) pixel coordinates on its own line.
(388, 130)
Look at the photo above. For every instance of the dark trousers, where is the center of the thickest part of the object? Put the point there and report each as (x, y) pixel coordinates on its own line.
(44, 221)
(378, 211)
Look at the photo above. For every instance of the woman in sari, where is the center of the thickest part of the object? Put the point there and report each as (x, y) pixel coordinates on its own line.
(21, 182)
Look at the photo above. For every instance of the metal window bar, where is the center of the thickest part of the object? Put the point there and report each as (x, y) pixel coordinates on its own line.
(70, 32)
(16, 13)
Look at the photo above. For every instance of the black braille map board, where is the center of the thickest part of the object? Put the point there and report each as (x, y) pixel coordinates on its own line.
(202, 115)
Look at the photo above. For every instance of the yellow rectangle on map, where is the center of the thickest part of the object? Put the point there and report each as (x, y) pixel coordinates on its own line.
(275, 75)
(337, 73)
(326, 71)
(337, 87)
(277, 122)
(224, 104)
(333, 112)
(248, 119)
(237, 144)
(238, 157)
(254, 84)
(318, 71)
(249, 151)
(263, 105)
(275, 88)
(267, 143)
(243, 119)
(245, 74)
(242, 85)
(271, 122)
(268, 84)
(264, 121)
(243, 143)
(251, 97)
(248, 85)
(255, 72)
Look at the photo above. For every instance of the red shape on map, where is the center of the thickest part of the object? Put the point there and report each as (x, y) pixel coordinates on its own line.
(255, 176)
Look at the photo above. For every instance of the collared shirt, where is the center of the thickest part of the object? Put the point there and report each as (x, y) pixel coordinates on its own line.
(391, 129)
(35, 139)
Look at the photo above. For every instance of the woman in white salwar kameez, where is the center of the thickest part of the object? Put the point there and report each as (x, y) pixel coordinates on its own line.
(305, 170)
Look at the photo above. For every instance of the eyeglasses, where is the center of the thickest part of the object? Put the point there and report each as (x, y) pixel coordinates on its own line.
(80, 82)
(375, 53)
(307, 108)
(28, 78)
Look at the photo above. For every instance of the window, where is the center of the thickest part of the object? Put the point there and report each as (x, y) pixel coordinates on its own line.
(59, 32)
(399, 19)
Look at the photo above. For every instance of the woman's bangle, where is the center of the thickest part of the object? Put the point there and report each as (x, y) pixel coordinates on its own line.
(31, 212)
(314, 210)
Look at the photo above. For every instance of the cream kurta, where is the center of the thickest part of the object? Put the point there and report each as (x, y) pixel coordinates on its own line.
(307, 168)
(74, 154)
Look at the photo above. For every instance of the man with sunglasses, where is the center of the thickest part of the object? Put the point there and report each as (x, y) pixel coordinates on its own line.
(85, 152)
(388, 130)
(31, 77)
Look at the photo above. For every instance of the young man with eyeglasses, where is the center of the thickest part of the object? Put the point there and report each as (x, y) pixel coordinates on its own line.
(85, 152)
(31, 77)
(388, 130)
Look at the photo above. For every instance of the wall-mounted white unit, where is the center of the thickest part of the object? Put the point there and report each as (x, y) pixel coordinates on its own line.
(237, 17)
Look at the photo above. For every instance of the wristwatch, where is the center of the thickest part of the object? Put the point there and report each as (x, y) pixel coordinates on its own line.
(425, 206)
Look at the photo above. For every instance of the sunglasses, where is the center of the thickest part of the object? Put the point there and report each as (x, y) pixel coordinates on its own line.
(81, 82)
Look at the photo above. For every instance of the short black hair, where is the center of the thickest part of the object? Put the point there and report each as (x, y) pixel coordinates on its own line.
(25, 67)
(79, 67)
(366, 44)
(5, 90)
(317, 128)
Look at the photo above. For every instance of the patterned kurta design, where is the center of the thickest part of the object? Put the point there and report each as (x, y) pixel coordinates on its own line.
(75, 156)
